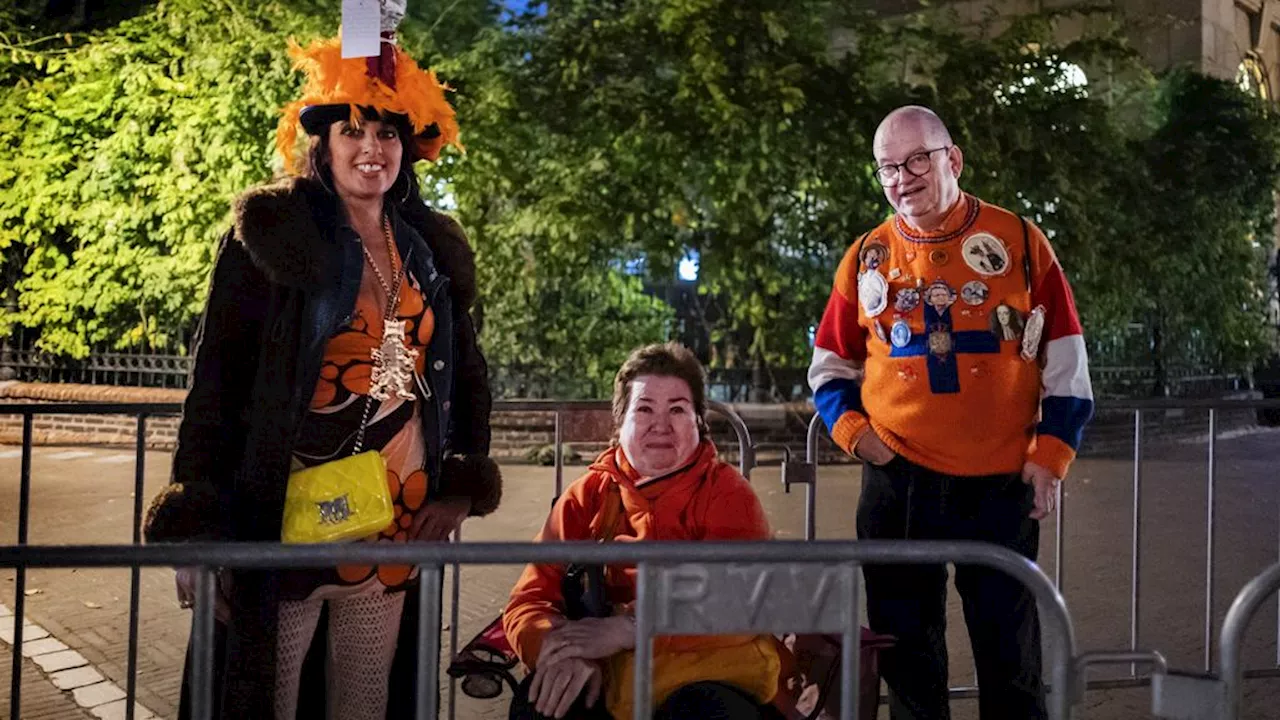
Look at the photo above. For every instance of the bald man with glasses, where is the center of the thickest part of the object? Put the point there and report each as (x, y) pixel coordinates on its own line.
(950, 360)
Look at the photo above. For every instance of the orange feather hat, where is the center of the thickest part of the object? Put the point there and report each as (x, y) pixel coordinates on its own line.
(333, 80)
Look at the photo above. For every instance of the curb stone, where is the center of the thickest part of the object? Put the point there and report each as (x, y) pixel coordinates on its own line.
(69, 671)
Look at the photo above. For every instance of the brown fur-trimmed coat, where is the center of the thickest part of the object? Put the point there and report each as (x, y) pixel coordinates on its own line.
(285, 279)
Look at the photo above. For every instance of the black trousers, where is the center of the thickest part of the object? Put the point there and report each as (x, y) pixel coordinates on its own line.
(902, 500)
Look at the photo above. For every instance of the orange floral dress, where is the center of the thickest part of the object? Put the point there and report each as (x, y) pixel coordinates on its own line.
(394, 427)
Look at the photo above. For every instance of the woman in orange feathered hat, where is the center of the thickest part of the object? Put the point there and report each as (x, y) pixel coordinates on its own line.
(337, 323)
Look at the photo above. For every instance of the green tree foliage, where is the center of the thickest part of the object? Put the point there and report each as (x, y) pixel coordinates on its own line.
(1212, 165)
(563, 331)
(616, 131)
(125, 153)
(558, 312)
(130, 145)
(604, 135)
(645, 128)
(1158, 194)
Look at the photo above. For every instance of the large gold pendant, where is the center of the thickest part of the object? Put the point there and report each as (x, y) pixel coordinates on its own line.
(940, 343)
(392, 365)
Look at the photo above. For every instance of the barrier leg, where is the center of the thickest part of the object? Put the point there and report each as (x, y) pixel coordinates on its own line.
(1210, 512)
(453, 629)
(811, 493)
(851, 653)
(135, 572)
(1059, 550)
(1136, 567)
(20, 581)
(427, 685)
(643, 694)
(559, 457)
(202, 641)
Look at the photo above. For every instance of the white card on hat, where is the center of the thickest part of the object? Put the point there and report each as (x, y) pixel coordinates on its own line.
(361, 21)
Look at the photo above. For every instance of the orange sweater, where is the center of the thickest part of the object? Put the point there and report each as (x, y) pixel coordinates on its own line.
(923, 341)
(709, 500)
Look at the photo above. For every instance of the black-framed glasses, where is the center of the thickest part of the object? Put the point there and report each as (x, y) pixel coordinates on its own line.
(919, 164)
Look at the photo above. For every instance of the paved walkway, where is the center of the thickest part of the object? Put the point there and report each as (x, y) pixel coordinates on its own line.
(83, 495)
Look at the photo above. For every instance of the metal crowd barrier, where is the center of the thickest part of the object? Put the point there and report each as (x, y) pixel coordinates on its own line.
(806, 473)
(698, 588)
(793, 472)
(143, 411)
(1247, 603)
(1203, 696)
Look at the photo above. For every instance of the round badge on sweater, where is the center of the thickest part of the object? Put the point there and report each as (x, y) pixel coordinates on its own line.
(985, 254)
(906, 300)
(873, 293)
(875, 255)
(975, 292)
(900, 334)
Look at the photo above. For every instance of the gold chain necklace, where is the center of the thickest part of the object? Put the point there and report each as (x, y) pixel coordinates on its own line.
(391, 258)
(393, 359)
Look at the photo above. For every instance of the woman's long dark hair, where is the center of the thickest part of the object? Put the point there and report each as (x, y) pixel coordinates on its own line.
(408, 200)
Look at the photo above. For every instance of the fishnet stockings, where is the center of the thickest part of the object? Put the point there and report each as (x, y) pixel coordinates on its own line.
(362, 643)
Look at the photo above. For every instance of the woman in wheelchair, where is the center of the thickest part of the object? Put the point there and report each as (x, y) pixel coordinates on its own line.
(661, 479)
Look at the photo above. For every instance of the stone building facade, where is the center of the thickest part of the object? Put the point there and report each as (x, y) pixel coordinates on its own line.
(1231, 39)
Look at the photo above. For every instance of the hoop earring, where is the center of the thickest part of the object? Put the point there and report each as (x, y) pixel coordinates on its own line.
(408, 187)
(324, 183)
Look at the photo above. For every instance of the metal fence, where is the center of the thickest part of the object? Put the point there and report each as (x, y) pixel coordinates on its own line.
(21, 358)
(143, 411)
(687, 588)
(1205, 696)
(793, 472)
(171, 368)
(28, 411)
(806, 473)
(1246, 605)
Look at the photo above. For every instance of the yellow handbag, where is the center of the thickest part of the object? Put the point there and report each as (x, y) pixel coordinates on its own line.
(345, 499)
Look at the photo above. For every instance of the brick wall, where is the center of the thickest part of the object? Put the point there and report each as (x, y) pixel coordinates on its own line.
(111, 430)
(516, 434)
(519, 435)
(107, 430)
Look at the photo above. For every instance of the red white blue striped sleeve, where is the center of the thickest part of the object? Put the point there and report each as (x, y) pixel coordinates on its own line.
(1066, 397)
(839, 353)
